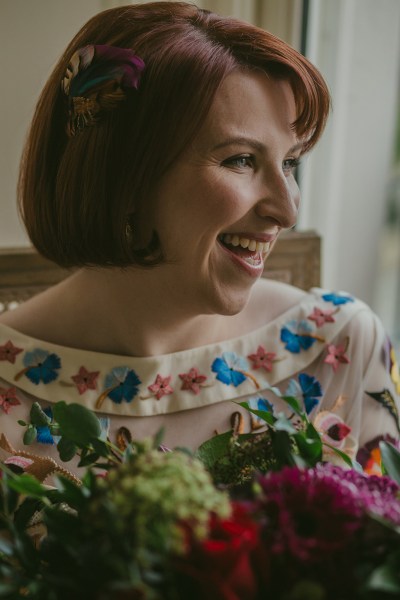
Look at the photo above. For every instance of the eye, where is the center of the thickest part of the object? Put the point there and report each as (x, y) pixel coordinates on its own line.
(289, 164)
(243, 161)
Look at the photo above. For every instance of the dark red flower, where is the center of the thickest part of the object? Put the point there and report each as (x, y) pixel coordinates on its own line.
(309, 513)
(219, 567)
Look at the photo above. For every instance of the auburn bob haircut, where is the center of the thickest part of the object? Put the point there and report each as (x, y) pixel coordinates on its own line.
(76, 194)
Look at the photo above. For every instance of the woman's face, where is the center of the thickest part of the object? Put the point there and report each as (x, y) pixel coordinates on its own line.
(219, 209)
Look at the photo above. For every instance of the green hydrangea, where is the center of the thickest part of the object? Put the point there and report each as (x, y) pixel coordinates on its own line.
(153, 492)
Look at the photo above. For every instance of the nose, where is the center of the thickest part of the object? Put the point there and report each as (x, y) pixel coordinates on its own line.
(280, 201)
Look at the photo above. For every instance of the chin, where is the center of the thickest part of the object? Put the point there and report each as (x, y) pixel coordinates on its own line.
(228, 303)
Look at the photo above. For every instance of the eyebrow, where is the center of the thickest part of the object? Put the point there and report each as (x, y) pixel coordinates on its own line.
(254, 143)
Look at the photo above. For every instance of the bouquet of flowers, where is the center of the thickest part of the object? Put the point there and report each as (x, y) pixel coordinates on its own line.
(247, 517)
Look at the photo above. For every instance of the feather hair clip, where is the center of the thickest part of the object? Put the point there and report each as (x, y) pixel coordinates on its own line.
(97, 79)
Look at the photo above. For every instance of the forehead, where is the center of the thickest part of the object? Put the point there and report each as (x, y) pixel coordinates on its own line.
(251, 104)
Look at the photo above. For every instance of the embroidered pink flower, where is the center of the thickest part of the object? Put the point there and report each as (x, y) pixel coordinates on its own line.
(337, 355)
(8, 352)
(8, 398)
(161, 387)
(19, 461)
(332, 428)
(192, 381)
(85, 380)
(321, 316)
(262, 359)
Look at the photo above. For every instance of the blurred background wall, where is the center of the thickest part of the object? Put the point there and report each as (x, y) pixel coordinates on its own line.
(350, 184)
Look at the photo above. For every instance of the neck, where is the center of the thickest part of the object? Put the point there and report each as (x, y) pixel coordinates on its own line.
(138, 313)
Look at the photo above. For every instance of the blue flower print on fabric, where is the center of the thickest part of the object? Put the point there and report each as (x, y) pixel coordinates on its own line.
(297, 336)
(337, 299)
(121, 384)
(308, 389)
(43, 435)
(40, 366)
(230, 368)
(260, 403)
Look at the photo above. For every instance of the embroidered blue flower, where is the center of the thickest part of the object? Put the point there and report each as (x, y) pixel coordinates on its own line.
(40, 366)
(297, 336)
(308, 389)
(43, 435)
(230, 368)
(260, 403)
(337, 299)
(121, 384)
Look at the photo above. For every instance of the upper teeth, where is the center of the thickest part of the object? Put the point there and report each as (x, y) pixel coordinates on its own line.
(252, 245)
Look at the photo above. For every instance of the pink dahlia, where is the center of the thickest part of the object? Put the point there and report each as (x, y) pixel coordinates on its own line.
(309, 513)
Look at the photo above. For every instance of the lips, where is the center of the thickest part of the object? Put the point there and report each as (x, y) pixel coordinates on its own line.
(247, 253)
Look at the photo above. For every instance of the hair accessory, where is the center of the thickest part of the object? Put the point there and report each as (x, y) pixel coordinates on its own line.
(96, 79)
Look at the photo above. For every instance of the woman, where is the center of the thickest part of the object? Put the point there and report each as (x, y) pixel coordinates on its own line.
(161, 163)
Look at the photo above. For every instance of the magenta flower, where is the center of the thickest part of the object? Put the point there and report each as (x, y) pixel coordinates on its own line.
(376, 494)
(262, 359)
(337, 355)
(321, 316)
(310, 514)
(85, 380)
(161, 387)
(192, 380)
(9, 352)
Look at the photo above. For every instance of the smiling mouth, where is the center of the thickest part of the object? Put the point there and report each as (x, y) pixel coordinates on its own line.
(245, 247)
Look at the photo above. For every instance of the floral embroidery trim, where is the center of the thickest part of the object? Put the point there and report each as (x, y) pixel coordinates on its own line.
(85, 380)
(394, 370)
(40, 366)
(337, 354)
(9, 352)
(386, 400)
(337, 298)
(298, 335)
(262, 359)
(320, 317)
(161, 387)
(332, 428)
(193, 380)
(262, 404)
(308, 389)
(121, 384)
(43, 435)
(232, 369)
(8, 398)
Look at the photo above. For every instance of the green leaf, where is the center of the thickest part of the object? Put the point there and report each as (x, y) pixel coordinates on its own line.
(6, 547)
(385, 579)
(391, 460)
(77, 423)
(30, 435)
(351, 463)
(283, 450)
(21, 422)
(66, 449)
(310, 450)
(74, 495)
(89, 459)
(38, 417)
(295, 406)
(26, 510)
(214, 448)
(266, 416)
(101, 448)
(158, 438)
(28, 485)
